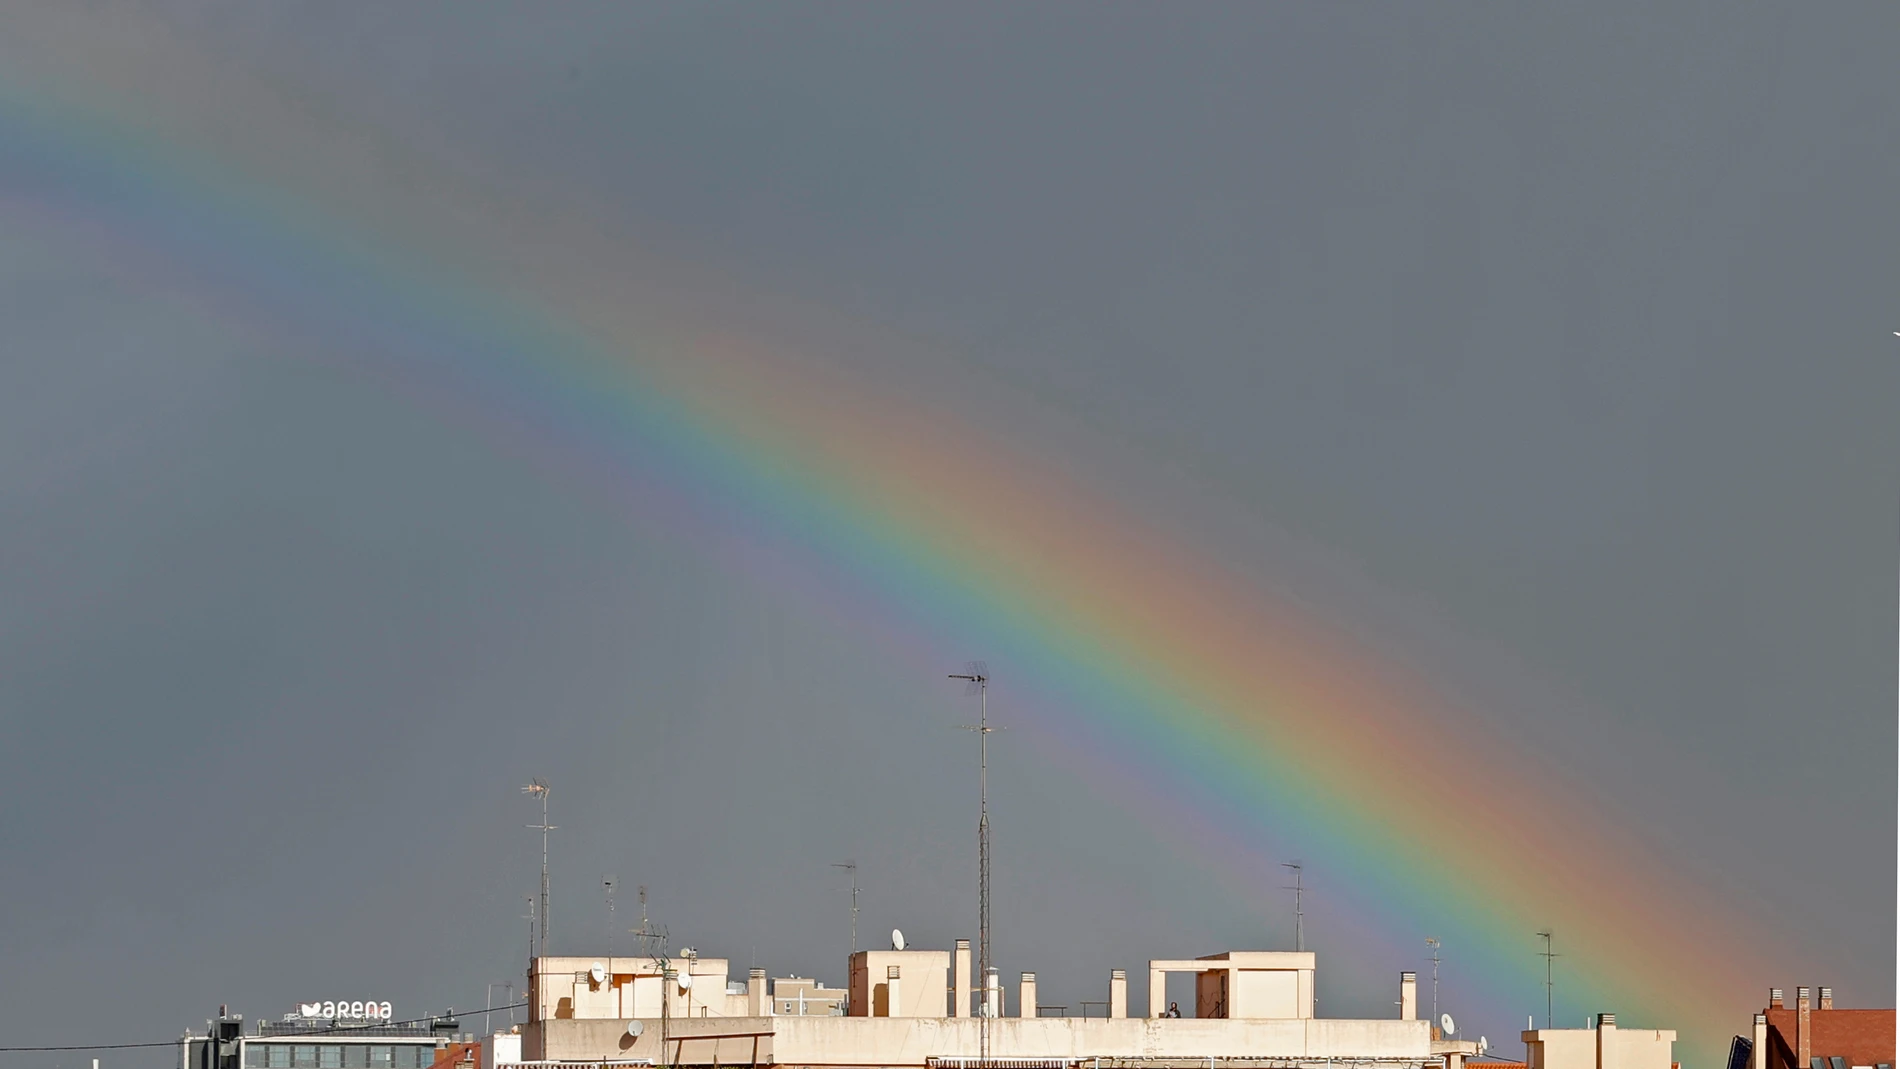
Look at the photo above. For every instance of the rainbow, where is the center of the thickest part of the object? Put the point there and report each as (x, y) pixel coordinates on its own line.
(1250, 715)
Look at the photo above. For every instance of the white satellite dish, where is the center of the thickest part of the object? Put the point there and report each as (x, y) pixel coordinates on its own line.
(688, 953)
(686, 981)
(598, 972)
(1445, 1022)
(897, 938)
(1483, 1044)
(634, 1028)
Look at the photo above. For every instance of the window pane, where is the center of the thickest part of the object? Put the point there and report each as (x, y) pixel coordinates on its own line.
(356, 1056)
(303, 1056)
(379, 1057)
(405, 1057)
(280, 1056)
(256, 1056)
(330, 1056)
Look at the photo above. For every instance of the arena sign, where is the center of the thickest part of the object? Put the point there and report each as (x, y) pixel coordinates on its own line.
(344, 1010)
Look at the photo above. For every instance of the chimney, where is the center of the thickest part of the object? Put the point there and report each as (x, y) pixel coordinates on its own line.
(1803, 1038)
(1118, 993)
(1758, 1056)
(1606, 1041)
(755, 1000)
(1408, 996)
(993, 994)
(1026, 1006)
(892, 1007)
(1827, 998)
(1774, 999)
(962, 1007)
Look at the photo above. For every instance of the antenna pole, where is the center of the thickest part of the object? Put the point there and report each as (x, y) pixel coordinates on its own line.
(1432, 941)
(852, 868)
(536, 786)
(1547, 955)
(978, 676)
(1299, 914)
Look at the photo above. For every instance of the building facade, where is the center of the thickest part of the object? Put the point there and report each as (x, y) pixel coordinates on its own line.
(315, 1040)
(1813, 1034)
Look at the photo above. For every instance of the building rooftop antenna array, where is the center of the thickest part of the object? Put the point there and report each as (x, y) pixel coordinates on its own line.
(651, 940)
(977, 675)
(540, 787)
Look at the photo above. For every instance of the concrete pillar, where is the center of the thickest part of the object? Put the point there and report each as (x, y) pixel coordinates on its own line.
(755, 998)
(1606, 1041)
(1803, 1035)
(1758, 1057)
(962, 980)
(1118, 993)
(1827, 998)
(892, 1007)
(1157, 992)
(1026, 1007)
(1408, 997)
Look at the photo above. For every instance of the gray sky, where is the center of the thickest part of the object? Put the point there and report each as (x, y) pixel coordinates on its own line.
(1553, 345)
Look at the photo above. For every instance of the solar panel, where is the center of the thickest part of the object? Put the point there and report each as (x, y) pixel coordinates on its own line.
(1738, 1052)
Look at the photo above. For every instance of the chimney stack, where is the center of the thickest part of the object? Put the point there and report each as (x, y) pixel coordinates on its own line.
(1803, 1038)
(1118, 993)
(1408, 996)
(1774, 999)
(1758, 1055)
(892, 1007)
(962, 1007)
(1026, 1005)
(755, 1000)
(1606, 1041)
(1827, 998)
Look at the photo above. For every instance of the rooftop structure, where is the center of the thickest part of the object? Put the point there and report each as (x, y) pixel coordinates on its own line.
(912, 1008)
(1604, 1047)
(1812, 1034)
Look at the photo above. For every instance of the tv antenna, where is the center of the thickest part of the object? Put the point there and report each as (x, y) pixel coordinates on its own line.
(852, 868)
(609, 883)
(1547, 955)
(539, 787)
(1432, 941)
(1298, 886)
(977, 675)
(651, 940)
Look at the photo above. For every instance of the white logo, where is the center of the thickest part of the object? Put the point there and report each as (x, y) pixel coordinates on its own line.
(345, 1010)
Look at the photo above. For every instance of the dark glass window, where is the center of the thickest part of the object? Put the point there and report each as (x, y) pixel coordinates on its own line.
(280, 1056)
(256, 1056)
(303, 1056)
(406, 1057)
(379, 1057)
(356, 1056)
(330, 1056)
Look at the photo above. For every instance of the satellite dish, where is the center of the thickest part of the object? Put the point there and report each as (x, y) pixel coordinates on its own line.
(598, 972)
(897, 938)
(686, 981)
(688, 952)
(634, 1028)
(1483, 1044)
(1445, 1022)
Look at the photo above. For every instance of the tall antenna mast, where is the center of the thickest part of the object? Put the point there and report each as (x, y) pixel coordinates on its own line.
(531, 931)
(1547, 955)
(536, 786)
(852, 868)
(1432, 941)
(977, 675)
(1299, 915)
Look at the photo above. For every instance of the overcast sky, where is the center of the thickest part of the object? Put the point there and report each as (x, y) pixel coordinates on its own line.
(1557, 344)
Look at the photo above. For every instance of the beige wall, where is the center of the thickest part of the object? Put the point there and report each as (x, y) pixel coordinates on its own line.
(563, 988)
(1622, 1048)
(872, 1041)
(923, 983)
